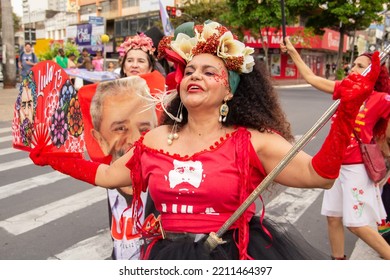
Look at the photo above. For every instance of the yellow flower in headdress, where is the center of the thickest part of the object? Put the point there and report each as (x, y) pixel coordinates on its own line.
(229, 46)
(183, 46)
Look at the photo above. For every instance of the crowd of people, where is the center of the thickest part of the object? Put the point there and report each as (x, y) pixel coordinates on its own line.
(181, 151)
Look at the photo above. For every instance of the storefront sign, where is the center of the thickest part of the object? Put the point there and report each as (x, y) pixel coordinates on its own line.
(272, 36)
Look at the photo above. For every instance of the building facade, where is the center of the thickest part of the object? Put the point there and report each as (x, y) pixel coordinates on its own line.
(122, 18)
(316, 51)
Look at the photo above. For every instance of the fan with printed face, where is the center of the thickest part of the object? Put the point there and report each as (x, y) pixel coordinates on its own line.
(47, 112)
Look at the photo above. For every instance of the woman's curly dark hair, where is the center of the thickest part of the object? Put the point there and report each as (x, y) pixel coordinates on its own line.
(255, 105)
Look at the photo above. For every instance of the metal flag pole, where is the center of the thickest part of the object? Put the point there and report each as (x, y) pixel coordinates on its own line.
(297, 147)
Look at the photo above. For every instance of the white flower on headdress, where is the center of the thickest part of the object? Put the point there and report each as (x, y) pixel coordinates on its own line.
(209, 29)
(228, 46)
(232, 49)
(249, 61)
(183, 46)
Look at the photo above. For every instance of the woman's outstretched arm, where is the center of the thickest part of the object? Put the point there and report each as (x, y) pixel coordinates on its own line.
(318, 82)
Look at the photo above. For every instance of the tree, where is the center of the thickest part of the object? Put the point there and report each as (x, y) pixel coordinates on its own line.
(200, 11)
(343, 16)
(52, 51)
(253, 16)
(231, 13)
(340, 15)
(9, 62)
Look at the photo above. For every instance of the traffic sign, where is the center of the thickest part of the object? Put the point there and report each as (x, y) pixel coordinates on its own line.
(96, 20)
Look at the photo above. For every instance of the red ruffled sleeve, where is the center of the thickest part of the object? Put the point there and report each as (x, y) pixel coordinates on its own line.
(134, 164)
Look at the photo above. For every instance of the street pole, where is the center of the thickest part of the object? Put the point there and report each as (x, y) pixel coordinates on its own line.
(353, 48)
(384, 30)
(29, 24)
(105, 39)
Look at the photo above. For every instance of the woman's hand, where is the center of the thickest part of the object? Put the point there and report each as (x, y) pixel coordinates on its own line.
(287, 46)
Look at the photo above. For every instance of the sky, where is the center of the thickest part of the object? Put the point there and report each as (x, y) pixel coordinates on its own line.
(17, 6)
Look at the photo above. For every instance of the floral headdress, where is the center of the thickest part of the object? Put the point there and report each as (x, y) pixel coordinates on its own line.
(212, 38)
(139, 41)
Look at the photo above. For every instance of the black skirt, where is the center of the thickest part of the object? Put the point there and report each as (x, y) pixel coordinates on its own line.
(286, 244)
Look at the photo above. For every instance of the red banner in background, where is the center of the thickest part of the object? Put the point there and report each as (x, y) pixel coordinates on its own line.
(273, 36)
(47, 112)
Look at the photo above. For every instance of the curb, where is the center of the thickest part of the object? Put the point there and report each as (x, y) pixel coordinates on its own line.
(292, 86)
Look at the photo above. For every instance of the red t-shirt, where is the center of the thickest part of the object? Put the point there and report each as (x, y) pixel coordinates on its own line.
(196, 193)
(376, 106)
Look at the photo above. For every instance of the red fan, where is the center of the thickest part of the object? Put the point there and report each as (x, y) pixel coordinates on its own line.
(47, 112)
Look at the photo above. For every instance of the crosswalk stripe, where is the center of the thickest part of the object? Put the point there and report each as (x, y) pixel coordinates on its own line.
(30, 183)
(40, 216)
(8, 151)
(5, 129)
(5, 139)
(98, 247)
(294, 201)
(15, 164)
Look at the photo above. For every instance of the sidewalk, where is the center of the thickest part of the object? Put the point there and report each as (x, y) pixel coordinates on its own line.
(289, 82)
(7, 103)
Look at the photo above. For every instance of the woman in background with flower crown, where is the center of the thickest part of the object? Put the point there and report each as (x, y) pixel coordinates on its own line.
(224, 131)
(138, 56)
(139, 60)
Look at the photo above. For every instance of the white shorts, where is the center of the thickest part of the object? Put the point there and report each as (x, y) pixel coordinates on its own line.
(354, 197)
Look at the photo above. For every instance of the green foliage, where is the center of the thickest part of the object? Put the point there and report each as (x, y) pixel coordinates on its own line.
(303, 37)
(353, 14)
(52, 52)
(201, 11)
(343, 16)
(71, 48)
(340, 74)
(250, 15)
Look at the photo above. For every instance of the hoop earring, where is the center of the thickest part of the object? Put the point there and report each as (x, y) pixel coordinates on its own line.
(223, 111)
